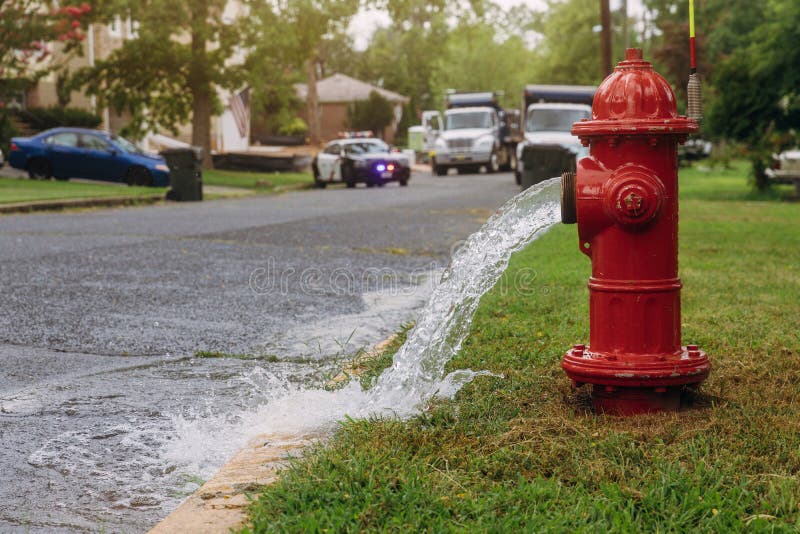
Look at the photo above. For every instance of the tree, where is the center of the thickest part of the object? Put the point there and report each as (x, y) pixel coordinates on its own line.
(568, 51)
(748, 52)
(407, 57)
(716, 19)
(170, 73)
(295, 36)
(27, 37)
(488, 52)
(757, 96)
(375, 114)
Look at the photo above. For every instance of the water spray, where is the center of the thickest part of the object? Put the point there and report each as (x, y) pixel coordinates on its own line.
(694, 91)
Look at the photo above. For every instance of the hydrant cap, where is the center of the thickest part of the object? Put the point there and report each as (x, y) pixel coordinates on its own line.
(634, 99)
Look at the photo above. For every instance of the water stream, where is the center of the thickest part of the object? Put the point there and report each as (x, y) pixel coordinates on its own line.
(442, 326)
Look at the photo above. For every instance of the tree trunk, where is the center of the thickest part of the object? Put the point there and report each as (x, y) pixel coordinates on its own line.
(759, 172)
(312, 103)
(199, 84)
(201, 122)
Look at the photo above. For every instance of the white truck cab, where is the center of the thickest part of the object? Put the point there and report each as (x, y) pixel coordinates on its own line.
(469, 139)
(474, 132)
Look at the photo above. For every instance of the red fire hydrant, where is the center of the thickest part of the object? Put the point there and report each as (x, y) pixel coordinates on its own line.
(624, 197)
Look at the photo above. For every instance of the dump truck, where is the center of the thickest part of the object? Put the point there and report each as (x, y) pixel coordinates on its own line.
(548, 147)
(474, 132)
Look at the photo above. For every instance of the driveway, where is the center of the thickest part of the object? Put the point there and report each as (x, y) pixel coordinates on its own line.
(103, 310)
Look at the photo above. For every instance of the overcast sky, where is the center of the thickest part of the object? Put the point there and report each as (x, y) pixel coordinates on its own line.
(365, 22)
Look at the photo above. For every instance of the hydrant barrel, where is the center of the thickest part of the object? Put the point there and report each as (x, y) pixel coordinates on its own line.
(626, 208)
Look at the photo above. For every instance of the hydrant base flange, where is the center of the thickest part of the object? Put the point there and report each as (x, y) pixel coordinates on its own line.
(634, 383)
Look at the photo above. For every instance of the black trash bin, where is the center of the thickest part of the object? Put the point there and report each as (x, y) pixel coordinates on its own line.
(544, 161)
(185, 173)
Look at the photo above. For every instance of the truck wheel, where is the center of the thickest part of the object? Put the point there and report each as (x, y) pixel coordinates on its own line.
(511, 161)
(494, 163)
(440, 170)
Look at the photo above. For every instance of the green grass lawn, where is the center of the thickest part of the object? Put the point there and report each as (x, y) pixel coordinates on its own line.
(259, 182)
(24, 190)
(525, 454)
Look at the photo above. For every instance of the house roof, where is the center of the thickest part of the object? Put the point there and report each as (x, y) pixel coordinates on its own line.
(341, 88)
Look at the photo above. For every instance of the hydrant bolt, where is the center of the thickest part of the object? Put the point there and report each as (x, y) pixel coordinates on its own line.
(633, 203)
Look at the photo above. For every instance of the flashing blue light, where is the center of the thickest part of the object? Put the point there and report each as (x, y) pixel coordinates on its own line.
(380, 167)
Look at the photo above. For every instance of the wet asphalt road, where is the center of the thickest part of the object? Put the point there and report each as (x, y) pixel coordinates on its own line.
(102, 310)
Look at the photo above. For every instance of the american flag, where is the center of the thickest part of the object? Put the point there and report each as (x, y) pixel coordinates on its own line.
(240, 108)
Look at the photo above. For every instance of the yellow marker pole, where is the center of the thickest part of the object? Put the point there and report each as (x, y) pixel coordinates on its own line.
(694, 91)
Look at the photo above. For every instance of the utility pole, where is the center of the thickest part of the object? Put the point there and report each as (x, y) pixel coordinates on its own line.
(624, 9)
(605, 36)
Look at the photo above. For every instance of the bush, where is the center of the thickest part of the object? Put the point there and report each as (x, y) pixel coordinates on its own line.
(7, 131)
(295, 127)
(375, 113)
(52, 117)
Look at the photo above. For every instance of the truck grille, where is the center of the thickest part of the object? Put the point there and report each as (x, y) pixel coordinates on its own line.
(459, 144)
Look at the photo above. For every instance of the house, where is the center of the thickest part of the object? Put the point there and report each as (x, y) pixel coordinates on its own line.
(101, 40)
(336, 93)
(230, 131)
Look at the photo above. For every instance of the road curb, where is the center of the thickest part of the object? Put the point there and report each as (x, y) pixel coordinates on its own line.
(356, 367)
(57, 205)
(221, 503)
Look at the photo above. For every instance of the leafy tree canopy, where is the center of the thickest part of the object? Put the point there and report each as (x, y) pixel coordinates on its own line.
(375, 114)
(292, 41)
(757, 87)
(28, 34)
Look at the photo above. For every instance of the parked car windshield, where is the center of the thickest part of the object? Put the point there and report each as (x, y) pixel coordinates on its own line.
(126, 145)
(554, 120)
(366, 148)
(472, 119)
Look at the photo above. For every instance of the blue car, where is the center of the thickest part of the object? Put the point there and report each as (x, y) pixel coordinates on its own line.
(66, 153)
